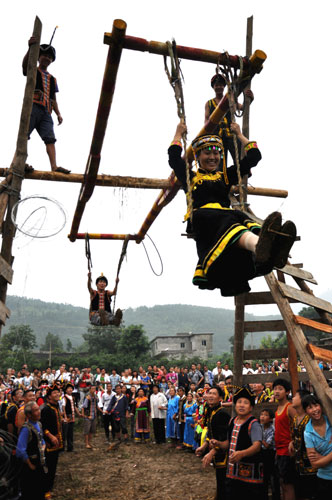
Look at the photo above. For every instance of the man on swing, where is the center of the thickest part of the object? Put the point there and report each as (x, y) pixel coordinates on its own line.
(100, 306)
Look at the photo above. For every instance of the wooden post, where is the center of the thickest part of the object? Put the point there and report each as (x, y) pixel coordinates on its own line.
(239, 338)
(104, 107)
(246, 110)
(19, 160)
(292, 354)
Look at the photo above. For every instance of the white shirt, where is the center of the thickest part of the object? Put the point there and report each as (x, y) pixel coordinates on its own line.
(227, 373)
(157, 400)
(215, 371)
(105, 399)
(247, 371)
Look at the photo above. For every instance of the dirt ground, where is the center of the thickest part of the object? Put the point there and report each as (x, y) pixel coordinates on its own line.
(131, 472)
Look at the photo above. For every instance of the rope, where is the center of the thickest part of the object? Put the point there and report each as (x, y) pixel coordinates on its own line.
(88, 252)
(175, 78)
(232, 79)
(147, 255)
(122, 256)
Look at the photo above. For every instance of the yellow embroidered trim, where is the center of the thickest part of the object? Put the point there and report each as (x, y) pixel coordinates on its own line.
(220, 246)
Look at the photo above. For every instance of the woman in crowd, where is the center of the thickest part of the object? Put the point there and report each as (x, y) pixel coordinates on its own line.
(189, 410)
(318, 441)
(131, 406)
(171, 417)
(142, 412)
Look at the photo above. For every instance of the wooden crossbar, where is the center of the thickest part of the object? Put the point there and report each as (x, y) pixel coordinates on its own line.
(300, 320)
(319, 353)
(304, 298)
(274, 325)
(295, 272)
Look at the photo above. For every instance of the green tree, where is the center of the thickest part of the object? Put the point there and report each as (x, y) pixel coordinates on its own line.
(270, 343)
(52, 343)
(134, 341)
(69, 345)
(16, 346)
(102, 339)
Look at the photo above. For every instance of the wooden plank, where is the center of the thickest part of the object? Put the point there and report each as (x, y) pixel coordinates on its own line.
(260, 298)
(271, 377)
(295, 272)
(300, 320)
(6, 270)
(323, 391)
(319, 353)
(275, 325)
(4, 313)
(281, 352)
(304, 298)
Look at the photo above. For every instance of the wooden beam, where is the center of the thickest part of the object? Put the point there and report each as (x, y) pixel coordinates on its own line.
(260, 298)
(6, 270)
(292, 355)
(18, 164)
(294, 271)
(305, 288)
(132, 182)
(319, 353)
(304, 297)
(261, 354)
(271, 377)
(4, 313)
(274, 325)
(191, 53)
(300, 320)
(238, 339)
(104, 107)
(323, 391)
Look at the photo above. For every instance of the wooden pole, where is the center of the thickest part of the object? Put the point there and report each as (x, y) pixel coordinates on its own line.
(239, 338)
(104, 107)
(104, 236)
(133, 182)
(292, 354)
(18, 165)
(191, 53)
(246, 110)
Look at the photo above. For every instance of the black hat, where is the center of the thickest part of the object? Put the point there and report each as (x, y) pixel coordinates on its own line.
(217, 77)
(69, 384)
(244, 392)
(52, 388)
(102, 278)
(44, 48)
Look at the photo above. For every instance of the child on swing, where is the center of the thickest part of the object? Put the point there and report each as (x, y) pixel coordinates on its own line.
(100, 306)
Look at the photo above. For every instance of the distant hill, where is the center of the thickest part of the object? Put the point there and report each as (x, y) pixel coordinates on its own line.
(71, 322)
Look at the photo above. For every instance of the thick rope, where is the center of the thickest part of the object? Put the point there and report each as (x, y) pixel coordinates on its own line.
(175, 77)
(231, 79)
(88, 252)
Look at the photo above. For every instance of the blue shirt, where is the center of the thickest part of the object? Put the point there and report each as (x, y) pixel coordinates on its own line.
(323, 445)
(23, 439)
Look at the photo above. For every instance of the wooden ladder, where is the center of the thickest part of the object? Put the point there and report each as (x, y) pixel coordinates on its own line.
(283, 295)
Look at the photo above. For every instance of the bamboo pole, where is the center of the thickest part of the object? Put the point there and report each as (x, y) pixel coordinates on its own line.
(246, 109)
(132, 182)
(105, 102)
(191, 53)
(104, 236)
(18, 164)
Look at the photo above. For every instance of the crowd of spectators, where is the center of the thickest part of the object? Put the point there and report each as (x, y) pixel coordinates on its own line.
(188, 407)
